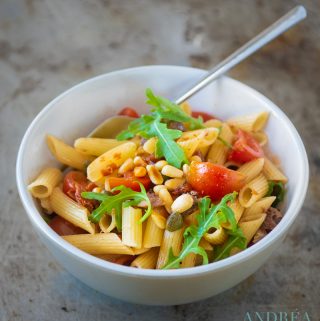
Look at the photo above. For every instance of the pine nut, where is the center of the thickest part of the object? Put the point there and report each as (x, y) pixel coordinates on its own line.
(126, 166)
(138, 161)
(157, 188)
(182, 203)
(160, 164)
(150, 145)
(139, 171)
(174, 183)
(154, 175)
(97, 190)
(195, 158)
(166, 198)
(185, 169)
(171, 171)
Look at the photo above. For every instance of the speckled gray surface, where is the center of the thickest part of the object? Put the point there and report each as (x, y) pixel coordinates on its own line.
(47, 46)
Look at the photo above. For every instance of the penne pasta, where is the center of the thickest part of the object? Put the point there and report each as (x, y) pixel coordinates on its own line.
(171, 240)
(206, 136)
(101, 243)
(66, 154)
(189, 146)
(216, 123)
(132, 227)
(189, 261)
(71, 211)
(250, 123)
(217, 237)
(217, 153)
(95, 146)
(114, 157)
(147, 260)
(237, 209)
(153, 233)
(108, 222)
(250, 228)
(272, 172)
(253, 191)
(185, 106)
(259, 207)
(45, 204)
(261, 138)
(252, 169)
(44, 184)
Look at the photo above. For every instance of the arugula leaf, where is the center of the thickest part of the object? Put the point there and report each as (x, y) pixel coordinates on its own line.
(168, 110)
(166, 145)
(208, 217)
(235, 240)
(126, 197)
(136, 127)
(276, 189)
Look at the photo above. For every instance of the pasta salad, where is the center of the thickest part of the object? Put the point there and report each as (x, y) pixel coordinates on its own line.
(175, 189)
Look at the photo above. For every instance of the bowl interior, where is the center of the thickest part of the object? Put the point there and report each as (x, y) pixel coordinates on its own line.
(77, 111)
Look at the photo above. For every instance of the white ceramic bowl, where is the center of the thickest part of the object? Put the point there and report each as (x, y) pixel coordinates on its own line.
(77, 111)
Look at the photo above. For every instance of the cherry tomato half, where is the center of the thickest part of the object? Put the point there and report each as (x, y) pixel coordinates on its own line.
(205, 116)
(63, 227)
(74, 184)
(128, 111)
(130, 181)
(213, 180)
(245, 148)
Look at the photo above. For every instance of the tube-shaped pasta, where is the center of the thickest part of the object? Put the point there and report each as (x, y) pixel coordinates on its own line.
(216, 123)
(185, 106)
(207, 136)
(272, 172)
(101, 243)
(252, 169)
(189, 146)
(147, 260)
(218, 151)
(108, 222)
(140, 251)
(66, 154)
(219, 236)
(95, 146)
(253, 191)
(44, 184)
(250, 123)
(131, 226)
(261, 138)
(153, 234)
(237, 209)
(250, 228)
(259, 207)
(189, 261)
(113, 157)
(171, 240)
(46, 205)
(71, 211)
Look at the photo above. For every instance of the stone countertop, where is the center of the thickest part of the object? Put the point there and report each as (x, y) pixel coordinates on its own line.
(47, 46)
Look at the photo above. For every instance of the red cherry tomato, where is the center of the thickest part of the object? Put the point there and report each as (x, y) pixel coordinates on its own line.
(130, 181)
(205, 116)
(74, 184)
(63, 227)
(213, 180)
(245, 148)
(130, 112)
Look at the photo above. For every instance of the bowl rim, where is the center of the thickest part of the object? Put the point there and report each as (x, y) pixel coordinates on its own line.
(279, 232)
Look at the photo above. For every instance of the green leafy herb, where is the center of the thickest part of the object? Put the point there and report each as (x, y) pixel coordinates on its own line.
(210, 216)
(168, 110)
(235, 240)
(276, 189)
(154, 125)
(126, 197)
(149, 126)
